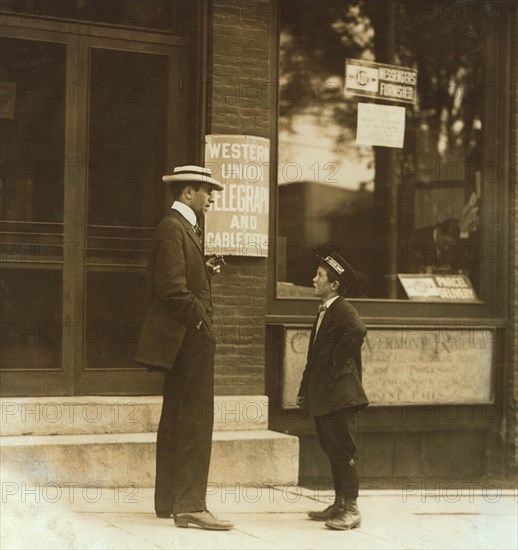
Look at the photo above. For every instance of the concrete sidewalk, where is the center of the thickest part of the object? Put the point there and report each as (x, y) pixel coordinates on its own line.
(51, 517)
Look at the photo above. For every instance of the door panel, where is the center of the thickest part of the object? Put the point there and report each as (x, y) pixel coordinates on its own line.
(116, 305)
(128, 146)
(31, 319)
(33, 174)
(89, 126)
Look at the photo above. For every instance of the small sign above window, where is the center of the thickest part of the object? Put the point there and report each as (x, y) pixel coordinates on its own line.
(377, 80)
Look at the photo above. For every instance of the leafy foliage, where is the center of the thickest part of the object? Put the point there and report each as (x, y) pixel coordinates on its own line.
(442, 39)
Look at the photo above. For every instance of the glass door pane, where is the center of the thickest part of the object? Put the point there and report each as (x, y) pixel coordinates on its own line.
(127, 148)
(32, 178)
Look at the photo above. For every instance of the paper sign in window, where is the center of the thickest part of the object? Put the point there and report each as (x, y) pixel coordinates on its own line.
(381, 125)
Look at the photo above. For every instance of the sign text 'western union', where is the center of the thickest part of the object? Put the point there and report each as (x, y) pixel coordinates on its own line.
(238, 222)
(390, 82)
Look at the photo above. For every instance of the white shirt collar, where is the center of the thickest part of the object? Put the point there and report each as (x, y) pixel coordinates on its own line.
(331, 300)
(186, 211)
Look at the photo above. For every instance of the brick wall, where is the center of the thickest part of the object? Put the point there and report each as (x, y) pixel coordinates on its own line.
(240, 91)
(239, 96)
(512, 409)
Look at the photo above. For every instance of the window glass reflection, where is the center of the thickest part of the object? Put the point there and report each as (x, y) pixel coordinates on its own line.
(389, 211)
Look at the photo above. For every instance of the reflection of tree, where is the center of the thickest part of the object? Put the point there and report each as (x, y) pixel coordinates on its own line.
(450, 72)
(442, 39)
(316, 37)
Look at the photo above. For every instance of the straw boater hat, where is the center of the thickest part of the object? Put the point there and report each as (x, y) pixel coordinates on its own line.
(191, 173)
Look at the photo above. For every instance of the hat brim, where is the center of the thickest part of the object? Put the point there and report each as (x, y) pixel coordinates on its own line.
(194, 178)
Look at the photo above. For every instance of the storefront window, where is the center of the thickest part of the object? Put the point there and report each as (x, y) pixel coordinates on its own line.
(390, 211)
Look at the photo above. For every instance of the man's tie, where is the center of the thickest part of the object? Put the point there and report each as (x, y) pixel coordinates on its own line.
(321, 312)
(198, 231)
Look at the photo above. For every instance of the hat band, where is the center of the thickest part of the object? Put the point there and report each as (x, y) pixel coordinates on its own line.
(334, 264)
(195, 173)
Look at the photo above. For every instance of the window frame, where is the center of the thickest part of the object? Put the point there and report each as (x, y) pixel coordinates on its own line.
(493, 311)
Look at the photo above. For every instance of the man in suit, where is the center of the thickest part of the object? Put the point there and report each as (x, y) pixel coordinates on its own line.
(331, 388)
(178, 338)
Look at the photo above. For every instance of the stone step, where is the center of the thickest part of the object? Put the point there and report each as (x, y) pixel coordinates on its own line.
(127, 460)
(85, 415)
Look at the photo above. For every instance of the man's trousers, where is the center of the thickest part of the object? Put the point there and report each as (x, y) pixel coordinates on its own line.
(184, 438)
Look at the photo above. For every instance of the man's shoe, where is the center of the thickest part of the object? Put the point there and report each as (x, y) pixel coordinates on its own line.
(349, 518)
(163, 515)
(202, 519)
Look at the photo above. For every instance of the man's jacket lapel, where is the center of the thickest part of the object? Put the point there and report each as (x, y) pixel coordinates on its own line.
(190, 230)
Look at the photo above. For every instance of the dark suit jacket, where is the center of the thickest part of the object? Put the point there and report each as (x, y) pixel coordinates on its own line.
(179, 291)
(332, 377)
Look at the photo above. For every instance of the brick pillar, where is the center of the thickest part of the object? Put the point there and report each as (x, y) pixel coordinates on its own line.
(239, 97)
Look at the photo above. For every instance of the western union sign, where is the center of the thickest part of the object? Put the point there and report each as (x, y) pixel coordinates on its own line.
(390, 82)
